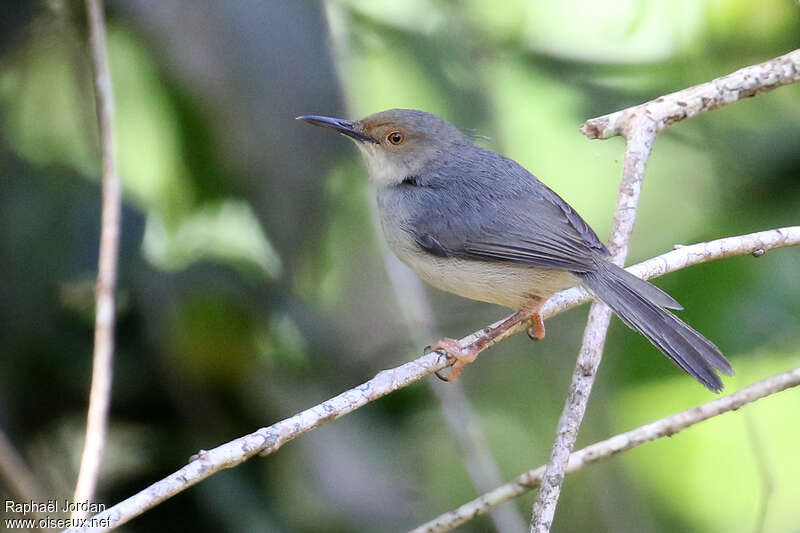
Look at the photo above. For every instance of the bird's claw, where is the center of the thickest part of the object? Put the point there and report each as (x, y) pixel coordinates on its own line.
(462, 355)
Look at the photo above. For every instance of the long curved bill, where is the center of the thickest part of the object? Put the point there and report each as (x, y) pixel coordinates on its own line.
(345, 127)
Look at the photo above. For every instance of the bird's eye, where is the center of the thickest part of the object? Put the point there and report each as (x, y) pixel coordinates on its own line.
(396, 137)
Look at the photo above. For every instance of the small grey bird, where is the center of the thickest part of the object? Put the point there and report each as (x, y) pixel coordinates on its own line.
(473, 222)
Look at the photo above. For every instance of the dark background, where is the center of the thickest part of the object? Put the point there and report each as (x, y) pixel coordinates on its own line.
(252, 284)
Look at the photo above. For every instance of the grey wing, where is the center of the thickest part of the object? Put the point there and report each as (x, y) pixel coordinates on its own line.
(575, 220)
(531, 226)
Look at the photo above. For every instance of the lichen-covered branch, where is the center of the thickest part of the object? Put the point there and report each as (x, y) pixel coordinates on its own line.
(608, 448)
(102, 358)
(687, 103)
(641, 136)
(269, 439)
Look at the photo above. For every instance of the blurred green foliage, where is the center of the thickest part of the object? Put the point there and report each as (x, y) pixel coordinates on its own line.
(252, 284)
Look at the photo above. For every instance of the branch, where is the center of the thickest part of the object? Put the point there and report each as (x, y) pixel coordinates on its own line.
(102, 359)
(640, 143)
(269, 439)
(639, 125)
(666, 427)
(687, 103)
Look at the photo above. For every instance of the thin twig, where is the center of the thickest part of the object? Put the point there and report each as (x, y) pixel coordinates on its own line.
(102, 359)
(610, 447)
(269, 439)
(639, 125)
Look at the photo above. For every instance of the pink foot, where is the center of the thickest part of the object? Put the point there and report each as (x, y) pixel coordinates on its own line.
(536, 332)
(462, 355)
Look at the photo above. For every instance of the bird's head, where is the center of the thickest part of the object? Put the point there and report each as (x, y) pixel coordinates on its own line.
(398, 143)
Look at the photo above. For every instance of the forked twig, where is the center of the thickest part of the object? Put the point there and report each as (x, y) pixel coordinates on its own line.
(639, 125)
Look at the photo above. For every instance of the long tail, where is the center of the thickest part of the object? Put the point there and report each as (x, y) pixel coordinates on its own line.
(640, 305)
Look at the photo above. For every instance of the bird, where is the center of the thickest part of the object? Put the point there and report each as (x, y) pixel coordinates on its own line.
(473, 222)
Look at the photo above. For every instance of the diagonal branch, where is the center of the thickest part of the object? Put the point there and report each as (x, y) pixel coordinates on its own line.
(100, 393)
(610, 447)
(269, 439)
(641, 137)
(639, 125)
(745, 82)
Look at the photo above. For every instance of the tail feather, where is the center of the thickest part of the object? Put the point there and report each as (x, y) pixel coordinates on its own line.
(640, 304)
(646, 289)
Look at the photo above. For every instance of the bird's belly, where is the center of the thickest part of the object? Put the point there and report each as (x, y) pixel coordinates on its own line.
(506, 284)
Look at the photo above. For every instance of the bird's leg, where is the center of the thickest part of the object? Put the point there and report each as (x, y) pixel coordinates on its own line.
(536, 332)
(467, 354)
